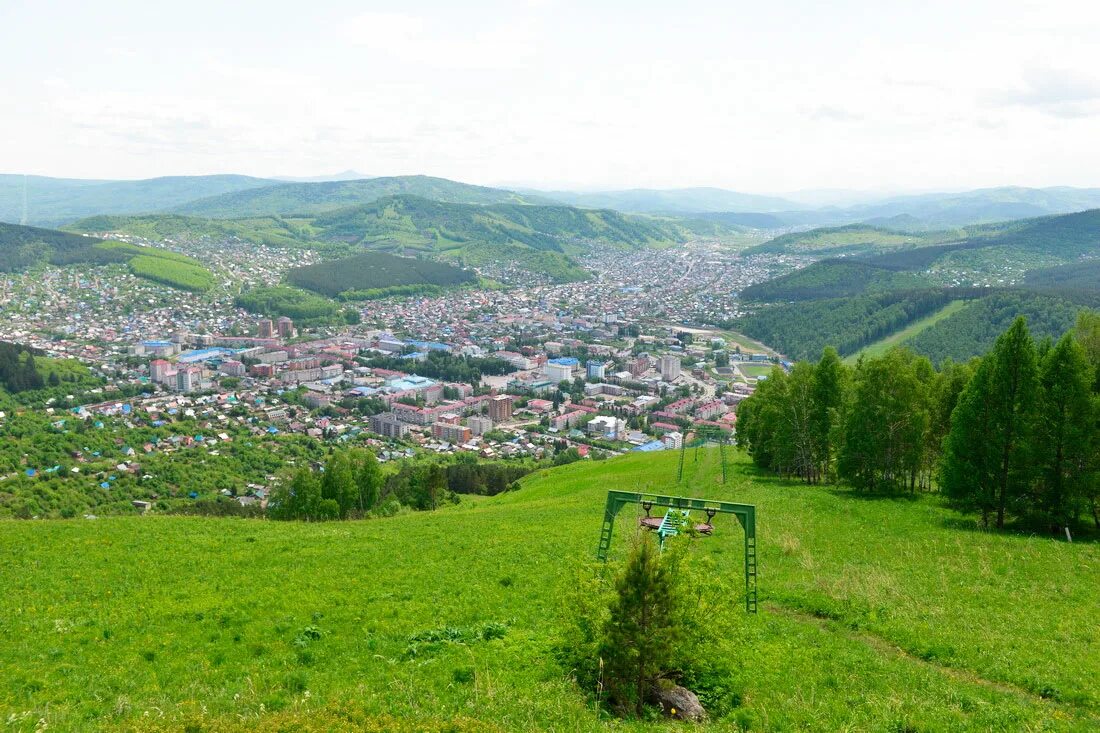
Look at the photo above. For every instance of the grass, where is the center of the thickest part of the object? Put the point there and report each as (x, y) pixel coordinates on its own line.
(747, 344)
(876, 614)
(898, 338)
(163, 266)
(754, 371)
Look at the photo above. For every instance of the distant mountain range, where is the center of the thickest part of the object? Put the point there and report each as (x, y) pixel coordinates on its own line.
(287, 199)
(348, 175)
(55, 201)
(671, 201)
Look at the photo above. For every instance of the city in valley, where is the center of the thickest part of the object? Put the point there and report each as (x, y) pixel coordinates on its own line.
(585, 367)
(629, 360)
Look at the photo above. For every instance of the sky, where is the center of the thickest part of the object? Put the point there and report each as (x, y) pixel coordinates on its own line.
(754, 96)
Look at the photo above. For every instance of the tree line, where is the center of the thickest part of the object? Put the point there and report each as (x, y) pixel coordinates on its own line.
(352, 484)
(1012, 434)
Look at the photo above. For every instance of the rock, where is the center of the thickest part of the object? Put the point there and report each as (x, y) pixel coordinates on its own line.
(679, 702)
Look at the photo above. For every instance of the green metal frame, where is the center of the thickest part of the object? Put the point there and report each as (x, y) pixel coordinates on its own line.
(745, 513)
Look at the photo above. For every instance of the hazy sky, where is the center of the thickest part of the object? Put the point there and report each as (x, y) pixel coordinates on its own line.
(758, 96)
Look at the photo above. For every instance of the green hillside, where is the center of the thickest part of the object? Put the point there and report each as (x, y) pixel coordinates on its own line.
(54, 201)
(269, 230)
(542, 239)
(1080, 275)
(973, 329)
(21, 248)
(854, 239)
(838, 301)
(376, 274)
(831, 279)
(875, 615)
(412, 221)
(311, 198)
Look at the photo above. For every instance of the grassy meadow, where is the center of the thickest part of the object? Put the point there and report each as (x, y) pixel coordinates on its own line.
(899, 337)
(876, 614)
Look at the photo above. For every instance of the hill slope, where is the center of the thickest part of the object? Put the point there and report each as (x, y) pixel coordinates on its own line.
(853, 239)
(376, 274)
(313, 198)
(54, 201)
(21, 248)
(876, 615)
(419, 222)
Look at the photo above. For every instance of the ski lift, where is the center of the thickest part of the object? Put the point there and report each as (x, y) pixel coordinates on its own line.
(674, 520)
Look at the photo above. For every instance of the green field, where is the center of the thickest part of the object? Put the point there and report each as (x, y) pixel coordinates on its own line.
(881, 346)
(876, 614)
(754, 370)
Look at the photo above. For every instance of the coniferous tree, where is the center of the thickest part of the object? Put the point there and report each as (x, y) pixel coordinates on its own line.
(1065, 443)
(642, 634)
(986, 462)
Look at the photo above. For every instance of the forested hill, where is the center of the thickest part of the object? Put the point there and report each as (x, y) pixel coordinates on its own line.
(946, 300)
(1046, 242)
(853, 239)
(419, 222)
(55, 201)
(313, 198)
(22, 247)
(376, 274)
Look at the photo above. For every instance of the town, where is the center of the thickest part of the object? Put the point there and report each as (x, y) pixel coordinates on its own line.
(621, 362)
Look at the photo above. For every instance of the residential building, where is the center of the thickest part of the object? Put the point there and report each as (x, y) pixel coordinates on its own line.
(673, 440)
(556, 372)
(265, 329)
(596, 370)
(388, 425)
(285, 327)
(669, 367)
(479, 424)
(456, 434)
(159, 370)
(500, 409)
(232, 368)
(608, 427)
(189, 379)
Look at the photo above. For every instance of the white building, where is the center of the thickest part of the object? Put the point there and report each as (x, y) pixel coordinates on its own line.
(557, 372)
(608, 427)
(672, 440)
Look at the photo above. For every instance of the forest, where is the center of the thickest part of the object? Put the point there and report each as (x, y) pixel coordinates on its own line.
(371, 271)
(835, 278)
(801, 330)
(24, 247)
(1013, 435)
(18, 371)
(281, 300)
(446, 367)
